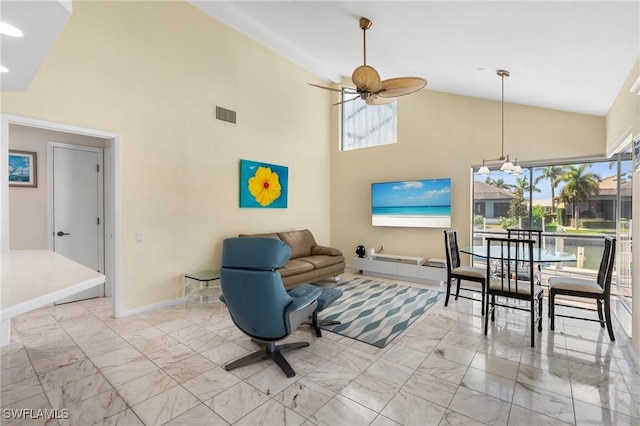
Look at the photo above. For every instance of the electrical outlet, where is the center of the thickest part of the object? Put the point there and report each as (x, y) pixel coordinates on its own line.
(139, 238)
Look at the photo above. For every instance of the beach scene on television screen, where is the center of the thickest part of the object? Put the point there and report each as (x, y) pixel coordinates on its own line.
(413, 203)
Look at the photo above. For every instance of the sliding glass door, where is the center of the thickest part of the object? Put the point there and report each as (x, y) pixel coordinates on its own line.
(623, 263)
(574, 204)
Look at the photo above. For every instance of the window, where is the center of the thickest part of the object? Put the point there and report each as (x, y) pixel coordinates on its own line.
(574, 204)
(500, 209)
(364, 126)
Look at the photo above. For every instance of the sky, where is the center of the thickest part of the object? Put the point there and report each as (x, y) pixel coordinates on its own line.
(431, 192)
(17, 162)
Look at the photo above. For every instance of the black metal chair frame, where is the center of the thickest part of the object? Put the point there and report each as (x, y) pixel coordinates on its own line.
(453, 262)
(603, 300)
(316, 323)
(503, 270)
(528, 234)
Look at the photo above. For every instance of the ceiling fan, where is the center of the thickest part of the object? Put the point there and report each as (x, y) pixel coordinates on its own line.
(369, 87)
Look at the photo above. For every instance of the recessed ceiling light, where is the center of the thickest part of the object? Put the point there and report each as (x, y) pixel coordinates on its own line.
(9, 30)
(3, 69)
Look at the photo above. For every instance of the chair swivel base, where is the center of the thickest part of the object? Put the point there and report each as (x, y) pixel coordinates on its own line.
(271, 350)
(316, 323)
(326, 298)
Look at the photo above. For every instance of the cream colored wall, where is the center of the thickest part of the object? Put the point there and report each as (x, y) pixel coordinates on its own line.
(442, 135)
(28, 206)
(623, 118)
(151, 72)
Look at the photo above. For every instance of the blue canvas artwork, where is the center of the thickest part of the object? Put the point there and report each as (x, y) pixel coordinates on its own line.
(263, 185)
(22, 168)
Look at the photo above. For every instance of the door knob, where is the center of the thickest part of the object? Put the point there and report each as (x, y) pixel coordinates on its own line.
(60, 233)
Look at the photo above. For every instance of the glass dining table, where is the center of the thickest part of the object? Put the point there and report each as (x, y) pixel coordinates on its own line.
(539, 256)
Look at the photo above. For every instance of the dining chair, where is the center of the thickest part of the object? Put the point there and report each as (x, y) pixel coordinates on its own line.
(528, 234)
(598, 290)
(473, 275)
(508, 281)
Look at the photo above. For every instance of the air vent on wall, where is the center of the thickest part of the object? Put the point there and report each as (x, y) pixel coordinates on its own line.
(226, 115)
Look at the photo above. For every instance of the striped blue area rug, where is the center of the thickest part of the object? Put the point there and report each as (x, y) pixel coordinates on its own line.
(375, 312)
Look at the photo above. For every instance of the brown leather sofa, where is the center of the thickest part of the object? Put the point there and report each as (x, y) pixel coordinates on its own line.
(309, 262)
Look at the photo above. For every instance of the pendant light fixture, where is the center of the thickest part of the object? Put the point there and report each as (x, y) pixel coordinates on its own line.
(507, 165)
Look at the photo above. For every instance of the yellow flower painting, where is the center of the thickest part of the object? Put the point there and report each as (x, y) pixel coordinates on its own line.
(263, 185)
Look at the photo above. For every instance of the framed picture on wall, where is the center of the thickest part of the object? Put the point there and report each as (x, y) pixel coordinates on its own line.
(263, 185)
(23, 169)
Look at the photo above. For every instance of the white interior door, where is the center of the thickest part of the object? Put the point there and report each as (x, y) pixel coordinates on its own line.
(77, 216)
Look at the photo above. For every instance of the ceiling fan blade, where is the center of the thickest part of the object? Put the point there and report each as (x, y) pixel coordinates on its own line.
(366, 79)
(348, 100)
(379, 100)
(343, 90)
(400, 86)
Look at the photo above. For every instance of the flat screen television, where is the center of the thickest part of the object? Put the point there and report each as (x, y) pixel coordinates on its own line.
(422, 203)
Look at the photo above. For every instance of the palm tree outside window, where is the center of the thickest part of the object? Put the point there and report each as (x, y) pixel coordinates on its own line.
(580, 185)
(554, 175)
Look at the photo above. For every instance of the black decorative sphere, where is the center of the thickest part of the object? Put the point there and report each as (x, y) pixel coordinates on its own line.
(361, 251)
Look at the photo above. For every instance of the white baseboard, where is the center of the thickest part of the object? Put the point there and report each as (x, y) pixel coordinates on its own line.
(148, 308)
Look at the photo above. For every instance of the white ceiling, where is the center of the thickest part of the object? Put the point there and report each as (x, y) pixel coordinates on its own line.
(565, 55)
(41, 22)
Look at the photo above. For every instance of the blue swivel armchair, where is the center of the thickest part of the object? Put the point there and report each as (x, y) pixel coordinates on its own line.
(257, 300)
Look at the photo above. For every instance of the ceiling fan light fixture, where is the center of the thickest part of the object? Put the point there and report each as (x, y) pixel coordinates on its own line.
(370, 87)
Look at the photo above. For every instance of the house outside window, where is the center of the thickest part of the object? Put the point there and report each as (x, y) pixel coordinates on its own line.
(365, 126)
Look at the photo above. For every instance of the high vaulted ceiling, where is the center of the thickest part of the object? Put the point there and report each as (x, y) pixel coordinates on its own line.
(565, 55)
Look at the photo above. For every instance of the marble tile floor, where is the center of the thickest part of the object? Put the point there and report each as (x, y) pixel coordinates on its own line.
(165, 367)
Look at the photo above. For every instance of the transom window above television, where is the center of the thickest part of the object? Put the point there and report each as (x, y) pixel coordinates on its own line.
(365, 126)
